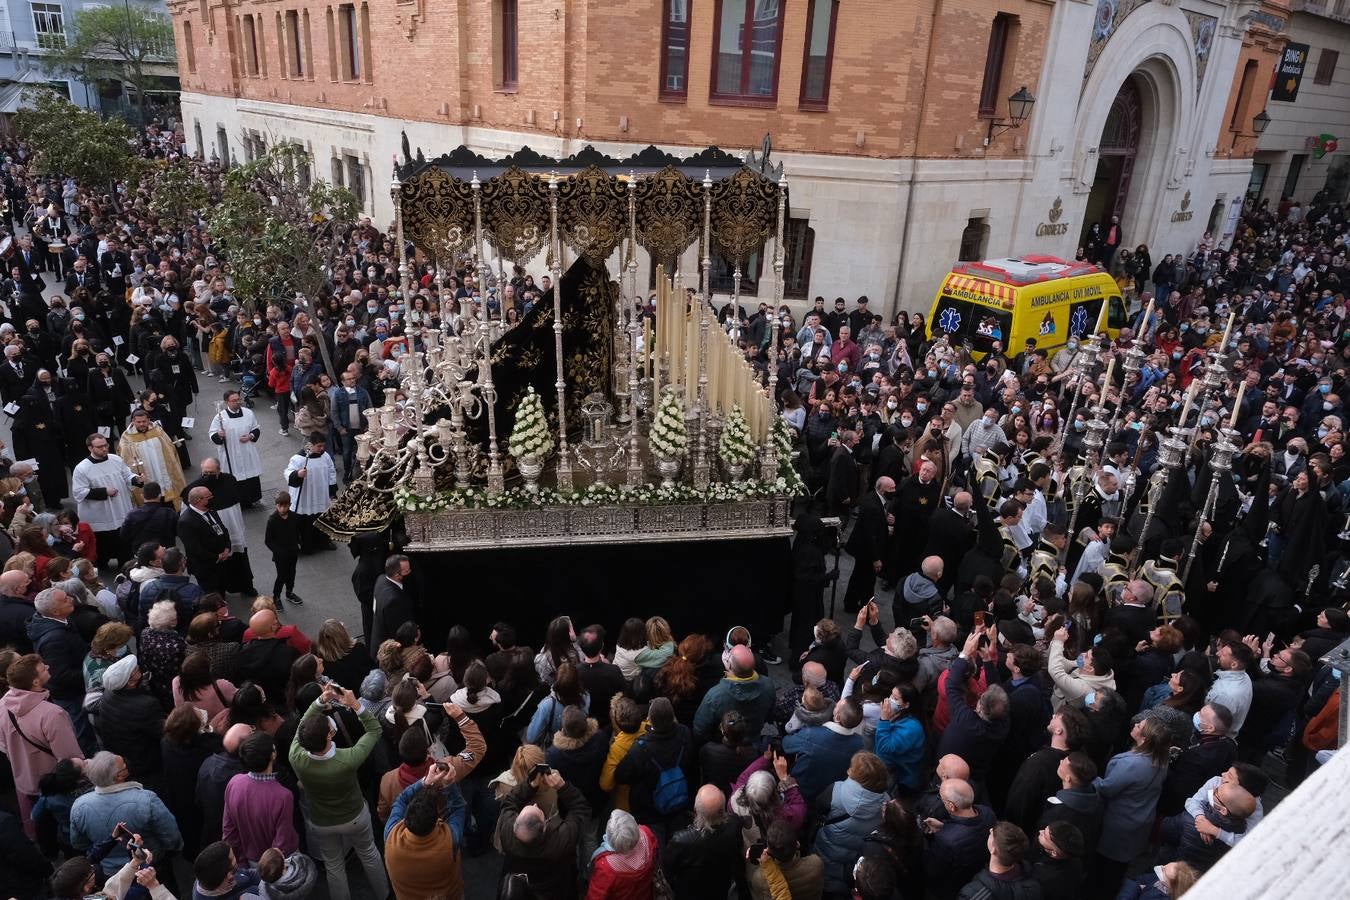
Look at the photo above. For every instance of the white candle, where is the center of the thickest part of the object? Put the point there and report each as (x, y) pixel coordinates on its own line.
(1237, 404)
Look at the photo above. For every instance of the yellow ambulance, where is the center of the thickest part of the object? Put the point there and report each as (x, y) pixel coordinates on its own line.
(1010, 300)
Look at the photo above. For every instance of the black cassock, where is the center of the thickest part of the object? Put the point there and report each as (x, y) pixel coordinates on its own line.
(914, 506)
(37, 436)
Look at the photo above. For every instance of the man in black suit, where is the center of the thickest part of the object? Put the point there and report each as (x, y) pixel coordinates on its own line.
(205, 540)
(29, 262)
(951, 533)
(393, 606)
(867, 543)
(841, 485)
(81, 275)
(16, 373)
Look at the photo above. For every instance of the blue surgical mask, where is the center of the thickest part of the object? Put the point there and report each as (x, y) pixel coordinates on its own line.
(921, 407)
(1324, 389)
(1079, 424)
(1082, 660)
(1195, 721)
(1137, 426)
(1089, 699)
(843, 367)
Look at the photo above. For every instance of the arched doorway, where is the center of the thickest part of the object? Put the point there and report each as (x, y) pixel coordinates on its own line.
(1116, 156)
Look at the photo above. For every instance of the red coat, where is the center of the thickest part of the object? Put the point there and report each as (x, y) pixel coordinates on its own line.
(626, 876)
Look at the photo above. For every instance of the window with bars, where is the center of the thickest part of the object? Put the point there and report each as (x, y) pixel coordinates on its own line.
(747, 37)
(49, 25)
(675, 50)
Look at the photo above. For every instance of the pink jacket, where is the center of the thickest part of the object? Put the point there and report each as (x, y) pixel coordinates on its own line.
(43, 723)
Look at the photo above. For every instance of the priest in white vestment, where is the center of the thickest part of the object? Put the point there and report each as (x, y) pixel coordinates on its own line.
(151, 454)
(101, 486)
(235, 432)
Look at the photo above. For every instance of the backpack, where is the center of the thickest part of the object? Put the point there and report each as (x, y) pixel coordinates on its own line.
(671, 794)
(128, 598)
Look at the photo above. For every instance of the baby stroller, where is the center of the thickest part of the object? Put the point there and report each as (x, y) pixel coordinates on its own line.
(246, 368)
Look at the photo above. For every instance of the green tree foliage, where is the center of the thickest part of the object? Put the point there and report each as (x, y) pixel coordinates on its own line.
(72, 141)
(277, 228)
(121, 41)
(179, 196)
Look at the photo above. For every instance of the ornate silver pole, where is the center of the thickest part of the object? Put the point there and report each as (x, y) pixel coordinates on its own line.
(404, 275)
(484, 270)
(1094, 441)
(768, 469)
(701, 465)
(1087, 358)
(635, 469)
(706, 262)
(624, 392)
(564, 468)
(1171, 455)
(1220, 464)
(495, 479)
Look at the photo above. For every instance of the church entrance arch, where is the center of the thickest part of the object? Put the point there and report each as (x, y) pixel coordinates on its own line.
(1116, 156)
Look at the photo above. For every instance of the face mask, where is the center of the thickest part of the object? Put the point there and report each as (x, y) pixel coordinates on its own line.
(371, 309)
(1073, 345)
(1324, 389)
(351, 323)
(1048, 423)
(1202, 331)
(79, 317)
(921, 407)
(892, 404)
(1322, 432)
(1326, 406)
(1082, 660)
(1185, 327)
(1195, 722)
(843, 367)
(1016, 410)
(1176, 354)
(1137, 426)
(1079, 425)
(932, 373)
(1089, 699)
(906, 421)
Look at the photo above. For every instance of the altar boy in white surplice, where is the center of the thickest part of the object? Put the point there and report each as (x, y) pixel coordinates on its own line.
(235, 432)
(312, 480)
(101, 486)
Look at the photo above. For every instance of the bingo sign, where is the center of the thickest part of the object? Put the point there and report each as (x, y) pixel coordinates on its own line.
(1289, 75)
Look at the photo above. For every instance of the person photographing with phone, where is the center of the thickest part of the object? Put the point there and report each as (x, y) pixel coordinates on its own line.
(335, 812)
(540, 850)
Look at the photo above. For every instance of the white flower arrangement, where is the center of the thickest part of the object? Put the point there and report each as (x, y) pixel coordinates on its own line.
(668, 437)
(530, 434)
(736, 447)
(789, 478)
(595, 495)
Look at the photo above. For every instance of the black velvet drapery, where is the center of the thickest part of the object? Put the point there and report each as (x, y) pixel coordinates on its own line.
(703, 586)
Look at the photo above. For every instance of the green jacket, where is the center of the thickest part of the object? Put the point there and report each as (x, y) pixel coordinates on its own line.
(333, 795)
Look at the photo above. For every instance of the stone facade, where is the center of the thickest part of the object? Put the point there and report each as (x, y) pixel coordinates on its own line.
(889, 174)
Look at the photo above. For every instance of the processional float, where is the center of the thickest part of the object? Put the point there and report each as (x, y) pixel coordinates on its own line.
(588, 421)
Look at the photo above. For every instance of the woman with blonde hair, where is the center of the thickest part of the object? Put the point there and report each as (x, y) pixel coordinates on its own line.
(345, 659)
(660, 645)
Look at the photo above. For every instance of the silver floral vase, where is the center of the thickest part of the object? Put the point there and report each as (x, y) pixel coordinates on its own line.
(531, 467)
(735, 471)
(668, 467)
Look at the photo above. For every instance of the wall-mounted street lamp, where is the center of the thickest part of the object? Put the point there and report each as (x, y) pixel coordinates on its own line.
(1019, 110)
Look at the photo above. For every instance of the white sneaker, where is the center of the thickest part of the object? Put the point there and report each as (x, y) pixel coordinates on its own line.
(284, 432)
(223, 379)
